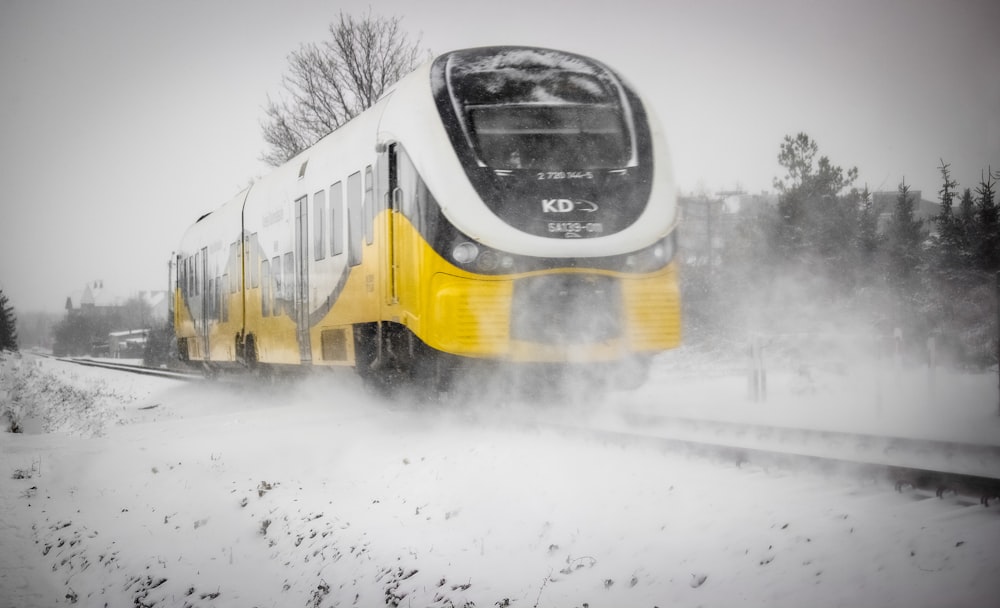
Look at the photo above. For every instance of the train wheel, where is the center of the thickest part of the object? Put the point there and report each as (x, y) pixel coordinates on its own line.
(434, 374)
(373, 373)
(250, 352)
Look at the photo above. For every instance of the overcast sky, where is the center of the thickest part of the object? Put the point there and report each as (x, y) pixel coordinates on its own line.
(124, 121)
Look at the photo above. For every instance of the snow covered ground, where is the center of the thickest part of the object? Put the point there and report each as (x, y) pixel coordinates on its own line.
(125, 490)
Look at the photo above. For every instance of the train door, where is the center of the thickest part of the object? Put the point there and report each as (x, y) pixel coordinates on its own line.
(301, 283)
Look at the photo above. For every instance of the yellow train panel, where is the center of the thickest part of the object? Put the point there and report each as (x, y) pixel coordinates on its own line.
(470, 316)
(183, 321)
(652, 307)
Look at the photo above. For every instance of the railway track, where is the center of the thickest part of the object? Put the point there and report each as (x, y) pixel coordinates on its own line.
(970, 471)
(133, 369)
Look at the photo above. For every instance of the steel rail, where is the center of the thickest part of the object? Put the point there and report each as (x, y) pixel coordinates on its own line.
(134, 369)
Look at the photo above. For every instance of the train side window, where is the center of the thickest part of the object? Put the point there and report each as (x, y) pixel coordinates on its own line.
(182, 275)
(265, 288)
(254, 261)
(219, 300)
(319, 225)
(289, 272)
(277, 284)
(336, 219)
(355, 221)
(406, 182)
(222, 301)
(369, 205)
(197, 274)
(210, 298)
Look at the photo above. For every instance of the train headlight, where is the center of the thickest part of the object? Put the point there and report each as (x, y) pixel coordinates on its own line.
(653, 257)
(666, 248)
(488, 261)
(464, 253)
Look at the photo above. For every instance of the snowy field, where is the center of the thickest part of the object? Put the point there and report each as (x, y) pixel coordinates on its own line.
(125, 490)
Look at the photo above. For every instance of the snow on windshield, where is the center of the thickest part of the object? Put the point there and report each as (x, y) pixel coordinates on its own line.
(528, 76)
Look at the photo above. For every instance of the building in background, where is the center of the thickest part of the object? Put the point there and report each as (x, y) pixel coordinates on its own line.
(128, 344)
(708, 222)
(99, 322)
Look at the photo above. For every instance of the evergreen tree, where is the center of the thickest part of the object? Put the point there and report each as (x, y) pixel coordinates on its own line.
(816, 224)
(867, 226)
(966, 224)
(8, 324)
(796, 156)
(904, 235)
(867, 238)
(950, 241)
(986, 234)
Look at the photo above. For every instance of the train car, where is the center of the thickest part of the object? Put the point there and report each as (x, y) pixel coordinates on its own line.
(500, 208)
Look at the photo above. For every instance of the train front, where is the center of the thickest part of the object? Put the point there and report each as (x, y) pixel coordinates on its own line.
(559, 238)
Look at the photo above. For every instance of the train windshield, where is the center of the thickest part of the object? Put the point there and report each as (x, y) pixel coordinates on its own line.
(549, 137)
(541, 110)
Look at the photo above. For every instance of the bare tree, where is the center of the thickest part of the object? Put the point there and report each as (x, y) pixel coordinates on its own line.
(329, 83)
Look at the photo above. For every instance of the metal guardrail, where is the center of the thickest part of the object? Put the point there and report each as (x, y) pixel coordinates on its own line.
(982, 488)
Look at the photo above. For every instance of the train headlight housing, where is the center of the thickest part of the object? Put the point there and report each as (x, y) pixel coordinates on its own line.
(653, 257)
(480, 258)
(465, 253)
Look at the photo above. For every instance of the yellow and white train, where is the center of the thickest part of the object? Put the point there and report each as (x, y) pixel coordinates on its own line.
(500, 207)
